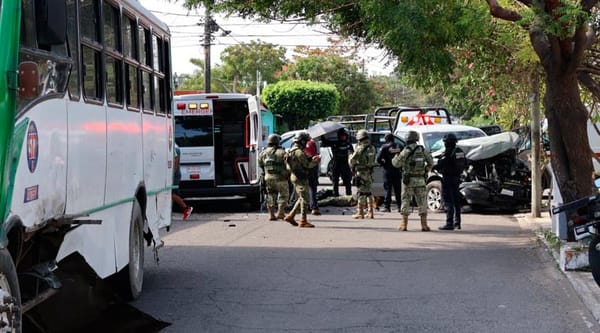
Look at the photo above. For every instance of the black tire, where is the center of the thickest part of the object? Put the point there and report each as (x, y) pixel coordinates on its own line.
(9, 286)
(594, 258)
(434, 197)
(130, 279)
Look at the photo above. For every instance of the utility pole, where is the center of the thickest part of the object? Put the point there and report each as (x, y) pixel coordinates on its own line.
(210, 26)
(207, 37)
(536, 186)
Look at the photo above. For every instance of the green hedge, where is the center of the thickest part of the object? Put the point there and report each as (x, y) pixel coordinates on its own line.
(299, 102)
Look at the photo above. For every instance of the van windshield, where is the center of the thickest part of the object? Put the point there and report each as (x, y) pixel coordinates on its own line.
(194, 131)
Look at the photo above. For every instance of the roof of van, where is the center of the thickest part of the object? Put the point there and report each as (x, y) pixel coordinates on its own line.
(196, 97)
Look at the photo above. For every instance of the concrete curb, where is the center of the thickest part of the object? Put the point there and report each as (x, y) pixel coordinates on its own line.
(582, 282)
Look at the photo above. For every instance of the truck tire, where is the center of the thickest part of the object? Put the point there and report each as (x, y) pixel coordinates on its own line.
(594, 258)
(435, 203)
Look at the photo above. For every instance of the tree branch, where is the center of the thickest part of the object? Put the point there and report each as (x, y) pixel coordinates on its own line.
(496, 10)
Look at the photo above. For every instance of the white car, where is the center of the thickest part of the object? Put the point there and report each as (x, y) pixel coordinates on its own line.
(431, 137)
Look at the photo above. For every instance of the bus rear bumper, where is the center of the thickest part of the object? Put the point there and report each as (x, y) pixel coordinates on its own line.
(190, 190)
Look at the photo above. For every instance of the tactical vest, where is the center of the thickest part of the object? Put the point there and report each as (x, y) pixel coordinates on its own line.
(294, 165)
(273, 163)
(366, 158)
(415, 163)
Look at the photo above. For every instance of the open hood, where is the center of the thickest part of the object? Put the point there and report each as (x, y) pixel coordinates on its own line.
(488, 146)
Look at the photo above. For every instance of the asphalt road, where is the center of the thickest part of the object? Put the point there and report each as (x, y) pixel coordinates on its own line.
(226, 270)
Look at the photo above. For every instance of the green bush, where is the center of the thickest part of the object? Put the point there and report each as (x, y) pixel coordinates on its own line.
(299, 102)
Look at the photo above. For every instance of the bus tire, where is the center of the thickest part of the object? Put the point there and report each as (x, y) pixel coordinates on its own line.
(9, 293)
(130, 279)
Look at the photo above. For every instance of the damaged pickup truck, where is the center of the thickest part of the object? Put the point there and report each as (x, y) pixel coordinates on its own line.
(495, 178)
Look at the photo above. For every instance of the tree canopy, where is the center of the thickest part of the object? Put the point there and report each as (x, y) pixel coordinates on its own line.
(424, 36)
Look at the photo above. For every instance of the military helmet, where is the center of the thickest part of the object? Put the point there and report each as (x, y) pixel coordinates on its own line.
(301, 136)
(274, 139)
(412, 136)
(361, 135)
(450, 138)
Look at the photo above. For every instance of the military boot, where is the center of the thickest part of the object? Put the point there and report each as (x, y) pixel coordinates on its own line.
(280, 212)
(371, 206)
(404, 223)
(271, 213)
(424, 226)
(360, 214)
(303, 223)
(289, 218)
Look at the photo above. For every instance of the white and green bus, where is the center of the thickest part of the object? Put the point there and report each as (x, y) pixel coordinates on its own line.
(87, 144)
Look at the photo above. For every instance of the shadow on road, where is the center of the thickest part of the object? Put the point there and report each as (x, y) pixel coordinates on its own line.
(87, 304)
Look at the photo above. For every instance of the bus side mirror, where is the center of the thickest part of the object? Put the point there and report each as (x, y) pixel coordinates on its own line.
(28, 80)
(51, 22)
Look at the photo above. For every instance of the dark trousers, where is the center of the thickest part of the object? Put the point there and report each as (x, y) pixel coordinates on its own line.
(313, 182)
(451, 197)
(342, 169)
(392, 181)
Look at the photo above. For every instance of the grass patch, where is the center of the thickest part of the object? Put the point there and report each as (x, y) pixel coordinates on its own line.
(551, 239)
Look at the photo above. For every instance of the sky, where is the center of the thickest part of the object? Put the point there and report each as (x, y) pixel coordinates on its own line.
(187, 36)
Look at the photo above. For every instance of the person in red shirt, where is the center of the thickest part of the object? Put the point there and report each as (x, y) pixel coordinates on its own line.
(311, 150)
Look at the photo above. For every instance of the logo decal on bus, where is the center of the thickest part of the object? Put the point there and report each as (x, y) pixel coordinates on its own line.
(31, 193)
(32, 146)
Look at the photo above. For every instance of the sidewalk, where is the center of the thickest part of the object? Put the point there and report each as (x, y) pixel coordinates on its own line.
(582, 282)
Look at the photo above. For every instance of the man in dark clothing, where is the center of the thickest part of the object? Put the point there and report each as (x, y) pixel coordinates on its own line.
(451, 165)
(391, 175)
(341, 149)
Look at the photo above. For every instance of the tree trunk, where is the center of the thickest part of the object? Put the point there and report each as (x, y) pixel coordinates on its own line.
(567, 127)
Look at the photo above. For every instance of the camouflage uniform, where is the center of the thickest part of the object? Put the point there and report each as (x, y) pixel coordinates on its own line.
(415, 162)
(362, 162)
(300, 164)
(272, 162)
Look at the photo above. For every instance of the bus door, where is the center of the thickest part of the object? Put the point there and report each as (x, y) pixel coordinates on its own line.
(194, 136)
(255, 138)
(231, 155)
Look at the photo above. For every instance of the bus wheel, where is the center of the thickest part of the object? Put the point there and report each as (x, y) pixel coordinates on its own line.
(10, 296)
(131, 278)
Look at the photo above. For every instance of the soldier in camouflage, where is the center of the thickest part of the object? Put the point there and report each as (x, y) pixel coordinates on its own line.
(276, 176)
(415, 162)
(362, 162)
(300, 164)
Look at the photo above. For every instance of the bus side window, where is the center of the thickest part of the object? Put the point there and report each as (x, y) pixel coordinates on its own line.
(113, 57)
(130, 51)
(73, 49)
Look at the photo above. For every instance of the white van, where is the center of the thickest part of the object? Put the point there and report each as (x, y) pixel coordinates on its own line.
(220, 136)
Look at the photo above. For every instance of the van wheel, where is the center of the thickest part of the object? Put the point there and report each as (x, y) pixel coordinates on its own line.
(10, 295)
(129, 281)
(434, 197)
